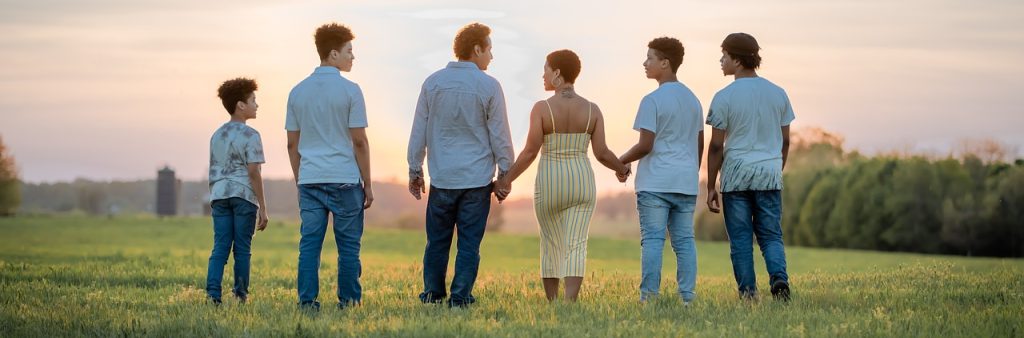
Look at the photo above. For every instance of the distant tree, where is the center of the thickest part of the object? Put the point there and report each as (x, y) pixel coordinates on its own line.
(915, 204)
(91, 198)
(10, 186)
(814, 213)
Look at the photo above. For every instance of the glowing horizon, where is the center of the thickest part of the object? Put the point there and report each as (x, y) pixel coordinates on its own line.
(116, 90)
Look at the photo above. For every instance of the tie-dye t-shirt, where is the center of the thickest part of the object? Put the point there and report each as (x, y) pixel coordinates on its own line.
(232, 147)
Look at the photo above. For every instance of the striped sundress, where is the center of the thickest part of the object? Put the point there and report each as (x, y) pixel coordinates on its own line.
(564, 199)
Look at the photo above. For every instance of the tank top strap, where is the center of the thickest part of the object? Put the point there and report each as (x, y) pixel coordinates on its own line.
(551, 113)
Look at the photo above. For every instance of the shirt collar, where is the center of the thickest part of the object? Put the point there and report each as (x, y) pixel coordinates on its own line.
(326, 70)
(463, 64)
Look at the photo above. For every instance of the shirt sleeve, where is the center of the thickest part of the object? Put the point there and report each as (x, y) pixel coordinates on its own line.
(418, 137)
(787, 113)
(254, 149)
(717, 114)
(499, 132)
(291, 122)
(357, 109)
(647, 115)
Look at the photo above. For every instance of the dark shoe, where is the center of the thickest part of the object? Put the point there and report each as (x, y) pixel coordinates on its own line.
(214, 301)
(461, 303)
(348, 304)
(430, 298)
(311, 307)
(241, 297)
(780, 290)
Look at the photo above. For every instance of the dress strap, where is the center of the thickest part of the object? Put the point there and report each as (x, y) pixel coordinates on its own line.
(552, 114)
(590, 110)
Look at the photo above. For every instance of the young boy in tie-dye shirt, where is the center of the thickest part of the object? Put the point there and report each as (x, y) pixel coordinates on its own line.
(236, 188)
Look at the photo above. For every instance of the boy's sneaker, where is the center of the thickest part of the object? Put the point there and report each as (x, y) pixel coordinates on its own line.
(214, 301)
(241, 298)
(311, 307)
(780, 290)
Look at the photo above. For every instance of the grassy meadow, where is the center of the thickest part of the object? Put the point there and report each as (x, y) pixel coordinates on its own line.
(83, 276)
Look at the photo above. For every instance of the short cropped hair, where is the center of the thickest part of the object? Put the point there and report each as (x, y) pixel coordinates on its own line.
(743, 47)
(567, 62)
(330, 37)
(668, 48)
(235, 90)
(468, 36)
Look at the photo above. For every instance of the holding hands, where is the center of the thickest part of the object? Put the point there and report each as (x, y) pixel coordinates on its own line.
(622, 175)
(502, 187)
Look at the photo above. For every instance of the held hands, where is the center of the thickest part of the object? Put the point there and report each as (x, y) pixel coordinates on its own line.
(416, 187)
(622, 176)
(262, 220)
(502, 187)
(714, 200)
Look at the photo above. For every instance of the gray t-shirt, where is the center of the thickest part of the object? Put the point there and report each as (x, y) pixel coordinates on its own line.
(674, 114)
(752, 112)
(232, 147)
(322, 108)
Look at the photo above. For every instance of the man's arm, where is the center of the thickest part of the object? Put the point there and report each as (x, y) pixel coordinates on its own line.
(361, 145)
(498, 131)
(418, 147)
(785, 145)
(641, 148)
(700, 148)
(293, 153)
(715, 157)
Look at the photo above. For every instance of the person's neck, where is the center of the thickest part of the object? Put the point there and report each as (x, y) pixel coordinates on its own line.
(744, 73)
(237, 117)
(325, 63)
(669, 77)
(470, 61)
(567, 91)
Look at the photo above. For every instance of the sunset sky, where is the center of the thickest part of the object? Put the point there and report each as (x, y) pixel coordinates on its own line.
(116, 89)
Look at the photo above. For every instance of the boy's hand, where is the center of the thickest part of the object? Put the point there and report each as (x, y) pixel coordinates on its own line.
(367, 197)
(714, 200)
(261, 223)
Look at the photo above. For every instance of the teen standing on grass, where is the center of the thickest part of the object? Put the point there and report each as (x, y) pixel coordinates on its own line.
(236, 188)
(750, 119)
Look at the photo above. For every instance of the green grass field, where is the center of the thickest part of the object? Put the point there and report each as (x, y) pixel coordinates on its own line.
(79, 276)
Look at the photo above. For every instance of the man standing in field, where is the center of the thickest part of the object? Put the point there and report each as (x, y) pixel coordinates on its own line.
(462, 128)
(330, 158)
(750, 119)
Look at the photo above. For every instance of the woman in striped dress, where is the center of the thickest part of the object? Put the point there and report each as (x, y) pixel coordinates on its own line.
(561, 128)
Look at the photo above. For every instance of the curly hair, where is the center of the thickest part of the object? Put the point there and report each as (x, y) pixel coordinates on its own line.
(567, 62)
(668, 48)
(743, 47)
(330, 37)
(235, 90)
(470, 35)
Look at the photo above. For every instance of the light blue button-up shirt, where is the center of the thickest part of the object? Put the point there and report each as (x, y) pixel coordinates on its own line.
(461, 126)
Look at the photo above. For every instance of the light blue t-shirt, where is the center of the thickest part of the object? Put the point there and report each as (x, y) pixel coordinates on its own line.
(674, 114)
(322, 108)
(232, 148)
(752, 112)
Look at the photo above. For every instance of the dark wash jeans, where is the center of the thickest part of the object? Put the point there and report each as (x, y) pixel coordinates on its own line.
(234, 221)
(345, 202)
(750, 214)
(448, 210)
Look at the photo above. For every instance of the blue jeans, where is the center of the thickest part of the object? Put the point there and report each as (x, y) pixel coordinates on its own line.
(749, 214)
(660, 212)
(234, 220)
(345, 202)
(448, 209)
